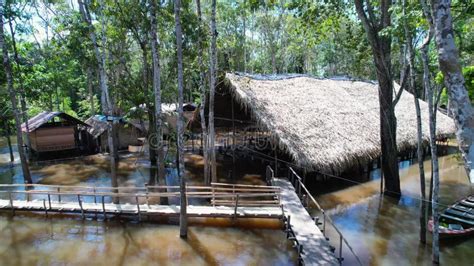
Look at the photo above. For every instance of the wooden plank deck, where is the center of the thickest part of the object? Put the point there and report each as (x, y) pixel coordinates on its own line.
(143, 209)
(316, 249)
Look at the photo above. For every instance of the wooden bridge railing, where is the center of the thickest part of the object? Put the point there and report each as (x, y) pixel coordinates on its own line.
(218, 193)
(304, 193)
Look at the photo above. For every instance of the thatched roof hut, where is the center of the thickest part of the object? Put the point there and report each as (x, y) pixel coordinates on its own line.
(327, 124)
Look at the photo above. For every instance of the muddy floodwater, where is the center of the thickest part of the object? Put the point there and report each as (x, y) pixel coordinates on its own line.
(381, 231)
(33, 240)
(29, 239)
(386, 232)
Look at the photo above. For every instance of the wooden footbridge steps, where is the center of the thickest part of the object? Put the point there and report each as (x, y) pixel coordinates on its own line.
(217, 200)
(311, 242)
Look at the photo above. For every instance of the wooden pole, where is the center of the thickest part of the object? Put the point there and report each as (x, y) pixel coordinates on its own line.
(276, 160)
(233, 141)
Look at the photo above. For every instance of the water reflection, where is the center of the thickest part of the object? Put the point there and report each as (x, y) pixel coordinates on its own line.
(59, 240)
(37, 241)
(386, 232)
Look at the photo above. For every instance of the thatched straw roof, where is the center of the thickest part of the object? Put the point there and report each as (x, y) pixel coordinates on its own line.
(327, 124)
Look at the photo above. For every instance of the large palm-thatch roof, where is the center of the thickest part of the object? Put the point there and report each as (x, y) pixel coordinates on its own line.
(327, 124)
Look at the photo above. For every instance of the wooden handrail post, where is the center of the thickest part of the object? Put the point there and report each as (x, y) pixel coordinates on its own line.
(236, 205)
(340, 248)
(49, 200)
(11, 202)
(45, 209)
(95, 198)
(213, 197)
(59, 195)
(324, 224)
(146, 193)
(103, 208)
(138, 209)
(80, 205)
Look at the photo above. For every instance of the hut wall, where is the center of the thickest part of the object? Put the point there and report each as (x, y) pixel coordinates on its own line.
(53, 139)
(127, 135)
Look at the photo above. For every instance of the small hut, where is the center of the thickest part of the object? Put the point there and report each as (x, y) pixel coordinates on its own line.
(128, 133)
(56, 131)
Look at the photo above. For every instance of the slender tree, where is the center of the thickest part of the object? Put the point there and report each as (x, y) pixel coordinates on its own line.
(106, 100)
(202, 87)
(212, 89)
(13, 98)
(9, 141)
(433, 99)
(183, 223)
(381, 50)
(412, 85)
(20, 79)
(155, 51)
(460, 104)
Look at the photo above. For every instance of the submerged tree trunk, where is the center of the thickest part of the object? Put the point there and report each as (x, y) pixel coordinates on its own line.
(212, 89)
(411, 64)
(434, 157)
(381, 50)
(183, 223)
(106, 99)
(460, 105)
(9, 141)
(13, 98)
(158, 139)
(202, 108)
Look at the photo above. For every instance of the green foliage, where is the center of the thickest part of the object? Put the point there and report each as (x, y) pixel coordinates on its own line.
(468, 73)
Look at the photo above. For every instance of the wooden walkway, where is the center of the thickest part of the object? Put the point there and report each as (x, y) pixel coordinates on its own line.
(141, 209)
(316, 249)
(218, 200)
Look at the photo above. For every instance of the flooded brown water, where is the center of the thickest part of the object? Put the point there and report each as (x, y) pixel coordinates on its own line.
(34, 240)
(381, 231)
(385, 232)
(29, 239)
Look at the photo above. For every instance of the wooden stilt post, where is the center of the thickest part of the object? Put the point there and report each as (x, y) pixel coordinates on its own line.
(233, 141)
(276, 159)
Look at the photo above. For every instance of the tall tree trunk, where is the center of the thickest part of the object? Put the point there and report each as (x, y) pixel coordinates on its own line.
(183, 223)
(157, 93)
(24, 110)
(434, 157)
(244, 37)
(202, 108)
(460, 105)
(9, 141)
(411, 65)
(212, 89)
(382, 58)
(13, 99)
(106, 99)
(90, 88)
